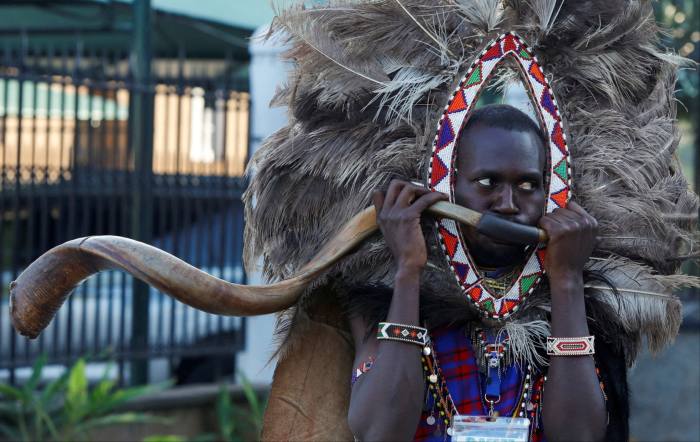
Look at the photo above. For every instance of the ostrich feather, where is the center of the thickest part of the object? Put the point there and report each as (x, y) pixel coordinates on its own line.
(312, 32)
(546, 12)
(632, 292)
(642, 298)
(526, 341)
(486, 15)
(407, 88)
(431, 35)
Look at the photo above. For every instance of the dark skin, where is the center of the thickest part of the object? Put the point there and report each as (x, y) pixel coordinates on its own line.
(499, 171)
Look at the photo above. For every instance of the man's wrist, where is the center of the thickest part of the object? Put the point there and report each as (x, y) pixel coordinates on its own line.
(407, 273)
(569, 279)
(566, 289)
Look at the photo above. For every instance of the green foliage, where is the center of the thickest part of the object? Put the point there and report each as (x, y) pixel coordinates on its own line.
(67, 408)
(235, 423)
(256, 408)
(169, 438)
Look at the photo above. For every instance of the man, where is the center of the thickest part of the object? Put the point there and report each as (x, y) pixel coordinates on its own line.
(501, 162)
(369, 82)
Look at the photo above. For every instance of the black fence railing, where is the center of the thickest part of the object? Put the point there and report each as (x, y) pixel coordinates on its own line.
(67, 171)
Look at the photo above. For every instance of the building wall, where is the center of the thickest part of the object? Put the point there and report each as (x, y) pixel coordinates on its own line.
(267, 72)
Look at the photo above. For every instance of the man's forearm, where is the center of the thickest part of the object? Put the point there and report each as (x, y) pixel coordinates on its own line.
(391, 394)
(574, 408)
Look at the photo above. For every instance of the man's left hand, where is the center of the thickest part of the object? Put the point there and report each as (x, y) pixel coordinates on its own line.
(572, 235)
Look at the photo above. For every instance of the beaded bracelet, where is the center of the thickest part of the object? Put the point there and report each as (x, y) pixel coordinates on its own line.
(580, 346)
(402, 332)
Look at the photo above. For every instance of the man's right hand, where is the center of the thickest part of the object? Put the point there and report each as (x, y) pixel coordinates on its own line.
(398, 216)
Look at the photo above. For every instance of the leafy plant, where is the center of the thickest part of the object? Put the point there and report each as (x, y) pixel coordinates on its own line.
(67, 408)
(252, 415)
(166, 438)
(235, 423)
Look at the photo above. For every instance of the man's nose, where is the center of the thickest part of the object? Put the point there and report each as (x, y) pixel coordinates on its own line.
(504, 203)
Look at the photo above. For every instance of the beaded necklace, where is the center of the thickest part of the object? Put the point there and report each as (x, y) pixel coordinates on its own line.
(490, 355)
(500, 284)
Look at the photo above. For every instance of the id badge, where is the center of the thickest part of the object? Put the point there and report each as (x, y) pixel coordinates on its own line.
(490, 429)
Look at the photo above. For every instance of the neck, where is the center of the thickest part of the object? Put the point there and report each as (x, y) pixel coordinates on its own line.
(497, 272)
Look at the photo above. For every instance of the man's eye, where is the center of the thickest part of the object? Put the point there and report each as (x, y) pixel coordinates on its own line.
(486, 182)
(527, 185)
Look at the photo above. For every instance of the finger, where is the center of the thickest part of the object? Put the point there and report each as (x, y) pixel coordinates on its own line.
(590, 219)
(575, 207)
(577, 215)
(393, 192)
(567, 222)
(566, 216)
(552, 219)
(409, 194)
(378, 201)
(427, 200)
(546, 222)
(594, 222)
(551, 225)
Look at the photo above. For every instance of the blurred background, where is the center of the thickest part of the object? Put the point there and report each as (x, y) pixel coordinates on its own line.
(137, 118)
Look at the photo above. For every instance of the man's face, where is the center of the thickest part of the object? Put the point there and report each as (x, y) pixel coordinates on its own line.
(499, 171)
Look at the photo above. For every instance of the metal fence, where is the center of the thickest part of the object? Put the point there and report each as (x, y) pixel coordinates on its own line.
(67, 171)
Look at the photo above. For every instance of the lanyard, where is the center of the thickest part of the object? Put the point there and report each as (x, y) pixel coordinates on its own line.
(492, 395)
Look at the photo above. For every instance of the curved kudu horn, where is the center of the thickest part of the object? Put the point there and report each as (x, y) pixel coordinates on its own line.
(41, 289)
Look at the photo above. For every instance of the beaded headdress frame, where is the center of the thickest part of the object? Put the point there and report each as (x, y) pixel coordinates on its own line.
(441, 173)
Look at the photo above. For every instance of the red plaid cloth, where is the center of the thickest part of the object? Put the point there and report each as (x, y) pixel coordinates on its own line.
(457, 362)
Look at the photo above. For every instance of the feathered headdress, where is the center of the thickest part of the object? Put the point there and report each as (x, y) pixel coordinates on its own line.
(370, 84)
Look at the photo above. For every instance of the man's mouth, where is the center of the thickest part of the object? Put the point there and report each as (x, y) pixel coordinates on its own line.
(501, 241)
